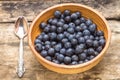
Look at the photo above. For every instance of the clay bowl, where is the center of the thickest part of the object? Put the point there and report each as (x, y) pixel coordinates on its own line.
(86, 12)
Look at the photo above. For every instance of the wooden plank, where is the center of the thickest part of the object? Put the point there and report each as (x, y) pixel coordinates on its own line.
(10, 10)
(107, 69)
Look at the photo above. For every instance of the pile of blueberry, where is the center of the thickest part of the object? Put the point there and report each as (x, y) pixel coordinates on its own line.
(69, 38)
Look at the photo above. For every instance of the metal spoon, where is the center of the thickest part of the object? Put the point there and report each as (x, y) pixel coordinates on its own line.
(21, 30)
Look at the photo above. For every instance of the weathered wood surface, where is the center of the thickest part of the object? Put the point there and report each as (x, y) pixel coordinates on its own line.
(107, 69)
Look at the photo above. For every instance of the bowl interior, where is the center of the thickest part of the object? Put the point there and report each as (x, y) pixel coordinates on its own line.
(86, 12)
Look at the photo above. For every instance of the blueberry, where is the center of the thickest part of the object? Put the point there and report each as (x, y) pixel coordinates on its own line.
(78, 14)
(82, 56)
(48, 58)
(86, 60)
(67, 19)
(63, 51)
(91, 51)
(91, 37)
(70, 30)
(53, 28)
(74, 41)
(74, 63)
(88, 22)
(39, 37)
(45, 37)
(37, 41)
(43, 25)
(46, 29)
(80, 62)
(86, 32)
(96, 53)
(64, 40)
(75, 58)
(66, 12)
(78, 35)
(67, 60)
(83, 27)
(56, 61)
(82, 19)
(99, 49)
(74, 16)
(47, 42)
(89, 42)
(101, 37)
(52, 36)
(51, 51)
(50, 21)
(60, 24)
(69, 52)
(96, 38)
(47, 47)
(54, 22)
(92, 28)
(60, 36)
(59, 30)
(58, 47)
(85, 51)
(100, 33)
(53, 43)
(81, 40)
(56, 54)
(77, 22)
(102, 42)
(82, 45)
(77, 28)
(57, 14)
(62, 20)
(78, 49)
(95, 43)
(91, 57)
(43, 53)
(65, 26)
(70, 37)
(62, 16)
(67, 45)
(60, 58)
(38, 47)
(71, 25)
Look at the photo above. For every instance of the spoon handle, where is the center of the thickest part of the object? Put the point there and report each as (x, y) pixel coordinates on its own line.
(20, 69)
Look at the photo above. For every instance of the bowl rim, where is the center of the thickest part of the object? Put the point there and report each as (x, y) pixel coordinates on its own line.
(69, 66)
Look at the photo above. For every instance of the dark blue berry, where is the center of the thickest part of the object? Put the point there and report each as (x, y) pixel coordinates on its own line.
(102, 42)
(78, 49)
(59, 30)
(58, 47)
(78, 14)
(95, 43)
(53, 28)
(88, 22)
(65, 26)
(74, 16)
(70, 30)
(82, 56)
(63, 51)
(56, 61)
(67, 45)
(57, 14)
(46, 29)
(43, 53)
(47, 47)
(52, 36)
(69, 52)
(43, 25)
(62, 20)
(66, 12)
(74, 41)
(50, 21)
(71, 25)
(91, 37)
(82, 19)
(60, 57)
(91, 57)
(92, 28)
(60, 36)
(67, 19)
(51, 52)
(48, 58)
(80, 62)
(37, 41)
(77, 22)
(70, 37)
(91, 51)
(54, 22)
(45, 37)
(89, 42)
(81, 40)
(100, 33)
(60, 24)
(38, 47)
(67, 60)
(64, 40)
(53, 43)
(99, 49)
(86, 32)
(74, 58)
(74, 63)
(47, 42)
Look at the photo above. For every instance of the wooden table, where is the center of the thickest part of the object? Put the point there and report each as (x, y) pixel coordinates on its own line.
(107, 69)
